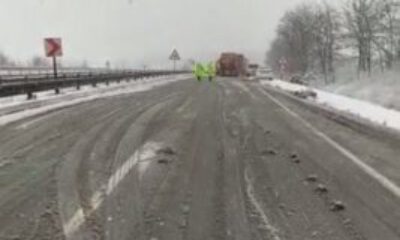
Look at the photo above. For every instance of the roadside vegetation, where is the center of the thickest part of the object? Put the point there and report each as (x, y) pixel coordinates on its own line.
(351, 48)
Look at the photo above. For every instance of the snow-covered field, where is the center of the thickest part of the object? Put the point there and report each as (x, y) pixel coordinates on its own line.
(48, 100)
(367, 110)
(383, 92)
(380, 87)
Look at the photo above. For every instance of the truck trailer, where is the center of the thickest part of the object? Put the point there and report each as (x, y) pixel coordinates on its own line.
(232, 65)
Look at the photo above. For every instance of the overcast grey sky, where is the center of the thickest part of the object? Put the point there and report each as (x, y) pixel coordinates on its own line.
(137, 32)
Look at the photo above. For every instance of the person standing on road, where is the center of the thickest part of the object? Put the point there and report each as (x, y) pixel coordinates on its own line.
(198, 71)
(211, 71)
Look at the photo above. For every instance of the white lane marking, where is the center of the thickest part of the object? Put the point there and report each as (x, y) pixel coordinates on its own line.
(74, 223)
(384, 181)
(142, 167)
(250, 192)
(149, 150)
(97, 199)
(4, 163)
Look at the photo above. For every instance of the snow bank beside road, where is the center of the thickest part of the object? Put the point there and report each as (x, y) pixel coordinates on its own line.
(373, 112)
(380, 87)
(73, 97)
(291, 87)
(84, 91)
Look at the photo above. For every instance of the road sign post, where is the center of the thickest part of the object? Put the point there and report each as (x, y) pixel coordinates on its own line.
(174, 57)
(55, 67)
(53, 48)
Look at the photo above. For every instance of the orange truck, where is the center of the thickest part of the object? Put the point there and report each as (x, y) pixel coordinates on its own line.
(232, 65)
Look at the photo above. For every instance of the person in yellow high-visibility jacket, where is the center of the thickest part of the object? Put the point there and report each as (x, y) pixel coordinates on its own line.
(211, 71)
(199, 72)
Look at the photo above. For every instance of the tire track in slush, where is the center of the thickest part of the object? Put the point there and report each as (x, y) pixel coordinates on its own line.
(208, 163)
(180, 109)
(144, 153)
(175, 211)
(257, 205)
(148, 125)
(381, 179)
(184, 197)
(78, 218)
(153, 207)
(273, 231)
(39, 181)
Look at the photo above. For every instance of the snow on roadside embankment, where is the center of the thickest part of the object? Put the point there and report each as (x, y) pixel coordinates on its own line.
(48, 101)
(380, 87)
(370, 111)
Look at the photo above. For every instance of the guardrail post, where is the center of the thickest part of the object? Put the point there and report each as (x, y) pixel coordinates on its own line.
(29, 93)
(78, 85)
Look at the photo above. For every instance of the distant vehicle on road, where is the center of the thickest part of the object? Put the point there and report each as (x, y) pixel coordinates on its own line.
(264, 74)
(252, 69)
(232, 65)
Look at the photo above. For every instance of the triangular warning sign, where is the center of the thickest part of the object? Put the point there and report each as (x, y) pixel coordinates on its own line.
(174, 55)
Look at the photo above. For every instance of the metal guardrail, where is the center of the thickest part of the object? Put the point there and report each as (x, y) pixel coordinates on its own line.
(28, 84)
(4, 70)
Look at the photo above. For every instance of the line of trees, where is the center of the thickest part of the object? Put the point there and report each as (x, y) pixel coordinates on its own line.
(36, 62)
(5, 61)
(311, 38)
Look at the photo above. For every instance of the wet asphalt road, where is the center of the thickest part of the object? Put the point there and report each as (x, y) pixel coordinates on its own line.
(221, 160)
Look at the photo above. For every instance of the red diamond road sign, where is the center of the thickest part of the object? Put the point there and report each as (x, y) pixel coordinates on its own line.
(53, 47)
